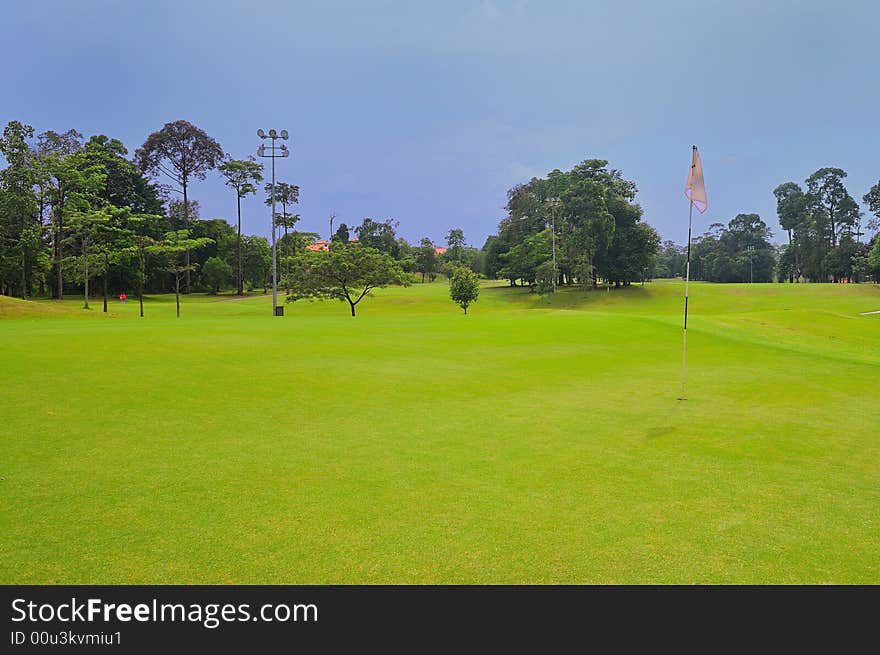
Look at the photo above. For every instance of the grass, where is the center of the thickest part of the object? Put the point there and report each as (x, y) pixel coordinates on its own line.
(533, 441)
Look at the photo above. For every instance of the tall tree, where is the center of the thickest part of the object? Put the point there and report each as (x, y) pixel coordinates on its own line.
(872, 199)
(426, 259)
(64, 181)
(125, 184)
(242, 175)
(347, 273)
(181, 151)
(791, 208)
(455, 244)
(284, 194)
(341, 235)
(828, 195)
(20, 230)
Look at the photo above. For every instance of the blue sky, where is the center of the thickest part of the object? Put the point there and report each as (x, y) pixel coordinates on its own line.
(427, 112)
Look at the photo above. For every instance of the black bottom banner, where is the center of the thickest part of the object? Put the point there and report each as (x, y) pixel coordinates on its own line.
(326, 618)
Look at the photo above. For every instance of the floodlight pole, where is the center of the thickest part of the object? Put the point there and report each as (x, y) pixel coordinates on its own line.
(273, 153)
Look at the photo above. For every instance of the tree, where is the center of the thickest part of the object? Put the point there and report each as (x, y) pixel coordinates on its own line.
(342, 235)
(544, 277)
(828, 195)
(464, 288)
(670, 261)
(63, 181)
(175, 247)
(455, 244)
(426, 259)
(740, 252)
(86, 227)
(141, 227)
(110, 241)
(346, 273)
(257, 260)
(181, 151)
(874, 258)
(286, 194)
(125, 185)
(380, 236)
(216, 273)
(872, 199)
(521, 262)
(242, 175)
(791, 208)
(20, 230)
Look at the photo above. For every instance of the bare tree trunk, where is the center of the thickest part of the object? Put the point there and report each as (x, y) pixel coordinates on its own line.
(23, 275)
(186, 227)
(86, 274)
(141, 273)
(106, 273)
(58, 255)
(287, 257)
(177, 292)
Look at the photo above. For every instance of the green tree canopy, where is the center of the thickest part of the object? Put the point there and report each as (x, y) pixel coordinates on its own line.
(347, 273)
(464, 287)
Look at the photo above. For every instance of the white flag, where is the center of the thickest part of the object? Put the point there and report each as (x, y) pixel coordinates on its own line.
(696, 188)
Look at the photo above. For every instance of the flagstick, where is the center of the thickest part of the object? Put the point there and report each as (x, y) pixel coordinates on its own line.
(687, 280)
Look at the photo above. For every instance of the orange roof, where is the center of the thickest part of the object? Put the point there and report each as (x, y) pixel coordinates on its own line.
(322, 246)
(439, 251)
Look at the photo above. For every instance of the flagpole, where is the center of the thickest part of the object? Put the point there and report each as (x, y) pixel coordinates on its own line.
(687, 280)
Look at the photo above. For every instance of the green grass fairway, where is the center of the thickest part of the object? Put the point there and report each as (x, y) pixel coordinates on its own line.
(533, 441)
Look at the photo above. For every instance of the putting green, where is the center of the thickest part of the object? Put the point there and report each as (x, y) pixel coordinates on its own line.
(532, 441)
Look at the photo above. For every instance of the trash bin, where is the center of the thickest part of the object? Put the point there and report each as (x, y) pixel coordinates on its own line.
(279, 311)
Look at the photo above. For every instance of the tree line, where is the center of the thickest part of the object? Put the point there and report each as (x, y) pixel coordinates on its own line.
(576, 227)
(74, 212)
(824, 226)
(77, 214)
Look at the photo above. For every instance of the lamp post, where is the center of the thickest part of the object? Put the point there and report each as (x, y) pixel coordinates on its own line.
(273, 152)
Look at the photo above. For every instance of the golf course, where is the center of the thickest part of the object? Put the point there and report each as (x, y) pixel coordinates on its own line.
(539, 439)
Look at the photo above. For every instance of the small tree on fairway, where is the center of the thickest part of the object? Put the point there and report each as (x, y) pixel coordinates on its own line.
(176, 246)
(345, 273)
(464, 287)
(140, 226)
(87, 227)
